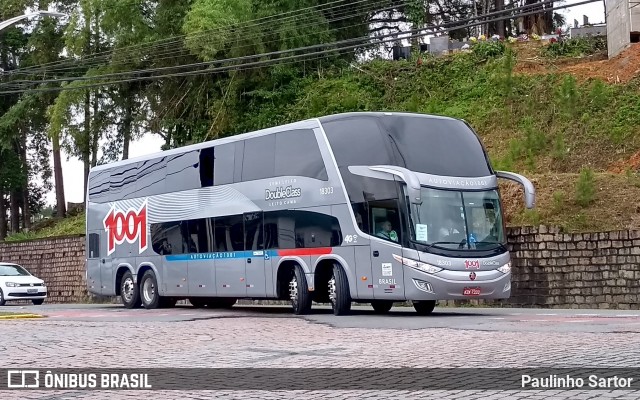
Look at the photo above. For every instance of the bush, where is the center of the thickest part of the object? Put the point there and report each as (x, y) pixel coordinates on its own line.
(488, 49)
(575, 47)
(585, 189)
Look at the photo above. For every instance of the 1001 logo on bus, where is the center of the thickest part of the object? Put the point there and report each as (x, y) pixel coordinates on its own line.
(130, 226)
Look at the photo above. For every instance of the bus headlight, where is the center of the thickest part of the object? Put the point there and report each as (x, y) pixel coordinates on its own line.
(505, 269)
(420, 266)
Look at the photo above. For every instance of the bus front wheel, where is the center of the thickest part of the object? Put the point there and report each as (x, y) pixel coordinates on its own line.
(424, 307)
(339, 291)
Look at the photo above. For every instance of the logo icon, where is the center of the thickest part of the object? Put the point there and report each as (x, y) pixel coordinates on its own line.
(130, 226)
(25, 378)
(472, 264)
(282, 193)
(472, 276)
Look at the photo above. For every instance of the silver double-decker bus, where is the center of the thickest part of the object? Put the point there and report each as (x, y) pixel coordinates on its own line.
(366, 207)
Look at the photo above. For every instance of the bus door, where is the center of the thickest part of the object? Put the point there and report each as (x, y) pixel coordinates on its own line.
(387, 273)
(255, 260)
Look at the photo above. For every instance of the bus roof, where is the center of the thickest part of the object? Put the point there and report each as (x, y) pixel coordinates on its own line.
(310, 123)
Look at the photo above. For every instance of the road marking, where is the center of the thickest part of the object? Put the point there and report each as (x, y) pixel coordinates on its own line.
(546, 314)
(497, 318)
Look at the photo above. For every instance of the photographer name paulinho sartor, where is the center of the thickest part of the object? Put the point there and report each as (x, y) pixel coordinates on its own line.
(567, 381)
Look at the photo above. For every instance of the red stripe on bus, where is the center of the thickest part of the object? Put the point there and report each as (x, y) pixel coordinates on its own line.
(305, 252)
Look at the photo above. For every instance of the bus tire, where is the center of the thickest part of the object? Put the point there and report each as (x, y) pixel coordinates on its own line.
(381, 306)
(149, 291)
(299, 294)
(339, 291)
(129, 291)
(424, 307)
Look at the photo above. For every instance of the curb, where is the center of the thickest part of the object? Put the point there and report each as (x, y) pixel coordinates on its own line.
(21, 316)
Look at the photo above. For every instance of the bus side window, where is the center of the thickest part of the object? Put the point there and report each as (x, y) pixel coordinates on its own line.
(385, 212)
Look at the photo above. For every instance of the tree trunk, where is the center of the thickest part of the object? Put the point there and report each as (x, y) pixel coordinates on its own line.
(500, 24)
(26, 212)
(57, 174)
(126, 125)
(86, 144)
(95, 129)
(15, 211)
(3, 216)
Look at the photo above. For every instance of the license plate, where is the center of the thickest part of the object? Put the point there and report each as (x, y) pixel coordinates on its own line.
(32, 290)
(471, 291)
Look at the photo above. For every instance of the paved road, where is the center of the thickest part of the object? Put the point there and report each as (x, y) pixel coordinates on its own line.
(76, 336)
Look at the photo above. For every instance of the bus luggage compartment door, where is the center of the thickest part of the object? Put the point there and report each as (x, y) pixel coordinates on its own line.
(388, 275)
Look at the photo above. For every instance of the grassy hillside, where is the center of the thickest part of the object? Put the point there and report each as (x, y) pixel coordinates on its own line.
(561, 114)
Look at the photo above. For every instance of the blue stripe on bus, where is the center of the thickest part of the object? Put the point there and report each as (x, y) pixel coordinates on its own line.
(222, 255)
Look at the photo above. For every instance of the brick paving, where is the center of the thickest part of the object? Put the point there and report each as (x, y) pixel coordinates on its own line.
(232, 341)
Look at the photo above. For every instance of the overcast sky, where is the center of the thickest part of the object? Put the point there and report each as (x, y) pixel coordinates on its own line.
(73, 169)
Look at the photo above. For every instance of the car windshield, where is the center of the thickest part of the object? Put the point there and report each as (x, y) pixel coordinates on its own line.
(13, 270)
(458, 219)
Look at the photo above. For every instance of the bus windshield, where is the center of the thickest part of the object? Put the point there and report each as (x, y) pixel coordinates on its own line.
(458, 220)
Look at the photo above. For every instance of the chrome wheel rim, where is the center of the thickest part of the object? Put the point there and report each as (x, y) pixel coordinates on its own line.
(148, 291)
(127, 289)
(293, 291)
(332, 290)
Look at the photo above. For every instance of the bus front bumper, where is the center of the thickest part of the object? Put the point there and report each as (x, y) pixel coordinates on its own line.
(457, 285)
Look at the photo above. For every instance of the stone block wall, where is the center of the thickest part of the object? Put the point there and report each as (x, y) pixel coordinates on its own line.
(581, 270)
(550, 269)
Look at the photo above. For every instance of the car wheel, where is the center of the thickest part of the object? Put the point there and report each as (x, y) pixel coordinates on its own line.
(37, 302)
(2, 300)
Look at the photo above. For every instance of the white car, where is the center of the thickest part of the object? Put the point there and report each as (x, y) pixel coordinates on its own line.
(16, 283)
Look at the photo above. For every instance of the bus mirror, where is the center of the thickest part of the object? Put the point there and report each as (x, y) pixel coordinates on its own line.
(529, 190)
(388, 172)
(414, 189)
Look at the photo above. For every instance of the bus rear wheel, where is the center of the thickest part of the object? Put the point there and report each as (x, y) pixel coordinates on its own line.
(381, 306)
(299, 292)
(129, 291)
(424, 307)
(149, 292)
(339, 291)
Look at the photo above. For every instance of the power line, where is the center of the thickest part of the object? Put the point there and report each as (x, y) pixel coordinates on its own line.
(343, 15)
(282, 52)
(275, 61)
(247, 24)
